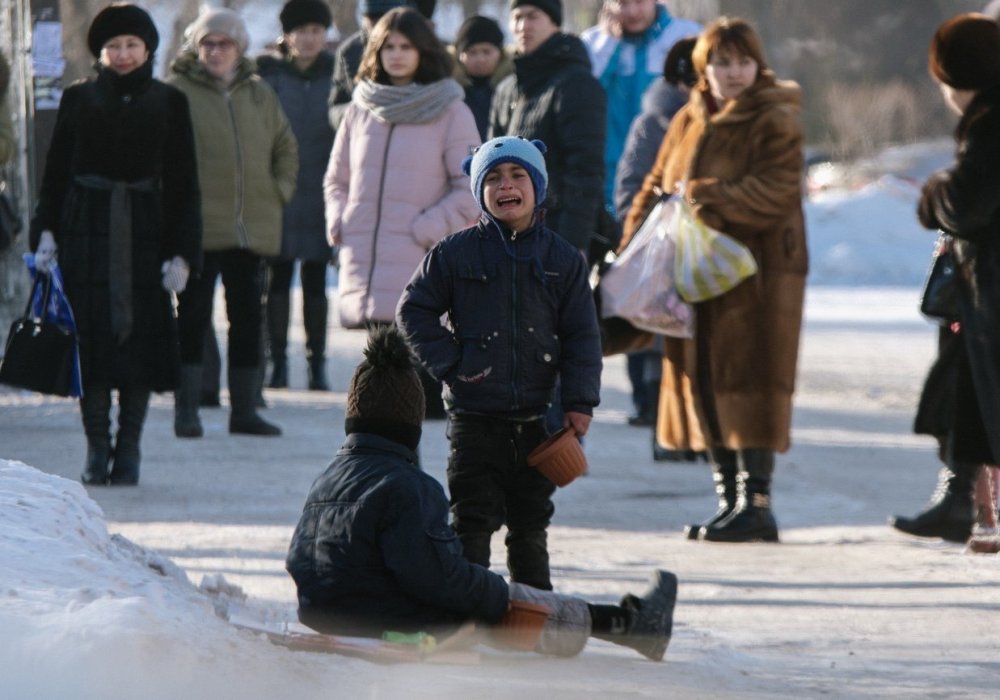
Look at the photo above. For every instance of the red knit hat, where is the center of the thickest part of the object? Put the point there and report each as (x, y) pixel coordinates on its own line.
(965, 52)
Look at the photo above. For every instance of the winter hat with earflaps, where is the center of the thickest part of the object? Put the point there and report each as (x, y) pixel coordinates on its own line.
(118, 20)
(965, 52)
(530, 155)
(385, 396)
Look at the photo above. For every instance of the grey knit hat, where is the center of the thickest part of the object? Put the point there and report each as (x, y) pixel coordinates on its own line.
(219, 20)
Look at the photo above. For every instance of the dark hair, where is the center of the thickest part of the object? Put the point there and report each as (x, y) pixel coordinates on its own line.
(728, 34)
(678, 69)
(965, 52)
(435, 62)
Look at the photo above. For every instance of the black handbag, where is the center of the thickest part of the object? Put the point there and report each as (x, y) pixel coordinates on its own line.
(939, 299)
(39, 354)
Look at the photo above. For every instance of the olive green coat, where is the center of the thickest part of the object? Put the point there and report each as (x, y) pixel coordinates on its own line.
(247, 156)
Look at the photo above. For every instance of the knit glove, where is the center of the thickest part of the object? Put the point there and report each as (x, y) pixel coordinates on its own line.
(175, 274)
(45, 254)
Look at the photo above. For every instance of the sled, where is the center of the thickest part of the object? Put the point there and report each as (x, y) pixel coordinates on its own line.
(393, 648)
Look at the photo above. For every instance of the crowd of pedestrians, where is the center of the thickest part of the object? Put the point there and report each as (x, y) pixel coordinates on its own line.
(466, 193)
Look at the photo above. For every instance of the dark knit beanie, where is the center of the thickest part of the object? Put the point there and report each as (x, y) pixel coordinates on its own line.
(965, 52)
(553, 8)
(478, 30)
(678, 69)
(298, 13)
(374, 9)
(385, 395)
(116, 20)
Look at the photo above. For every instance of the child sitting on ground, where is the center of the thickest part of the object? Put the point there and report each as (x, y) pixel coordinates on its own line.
(373, 551)
(521, 314)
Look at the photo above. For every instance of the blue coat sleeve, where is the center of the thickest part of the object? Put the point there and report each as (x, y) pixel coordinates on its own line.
(427, 297)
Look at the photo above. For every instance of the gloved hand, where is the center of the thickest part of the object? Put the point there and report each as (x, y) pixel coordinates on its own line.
(45, 253)
(175, 274)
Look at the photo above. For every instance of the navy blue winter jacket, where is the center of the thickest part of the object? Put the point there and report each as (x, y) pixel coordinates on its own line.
(373, 550)
(521, 313)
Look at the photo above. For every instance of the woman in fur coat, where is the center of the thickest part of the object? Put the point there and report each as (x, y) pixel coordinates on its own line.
(119, 206)
(736, 151)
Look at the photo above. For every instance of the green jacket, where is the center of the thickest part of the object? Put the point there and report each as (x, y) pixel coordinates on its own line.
(248, 159)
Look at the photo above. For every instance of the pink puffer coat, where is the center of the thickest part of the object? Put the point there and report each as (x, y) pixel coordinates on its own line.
(393, 191)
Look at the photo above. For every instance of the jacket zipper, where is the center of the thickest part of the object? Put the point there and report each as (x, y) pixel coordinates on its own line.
(513, 320)
(241, 229)
(378, 220)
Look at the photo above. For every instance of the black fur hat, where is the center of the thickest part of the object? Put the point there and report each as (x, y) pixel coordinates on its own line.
(297, 13)
(116, 20)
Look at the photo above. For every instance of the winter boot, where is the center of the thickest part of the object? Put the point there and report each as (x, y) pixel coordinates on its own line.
(186, 399)
(277, 334)
(752, 519)
(652, 617)
(724, 475)
(132, 405)
(314, 318)
(951, 513)
(95, 407)
(528, 558)
(243, 418)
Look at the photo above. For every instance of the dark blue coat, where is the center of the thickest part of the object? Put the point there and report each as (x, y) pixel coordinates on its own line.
(373, 550)
(303, 97)
(521, 313)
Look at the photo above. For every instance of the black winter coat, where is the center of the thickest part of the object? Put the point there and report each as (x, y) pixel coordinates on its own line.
(373, 550)
(129, 128)
(303, 97)
(521, 313)
(964, 200)
(552, 96)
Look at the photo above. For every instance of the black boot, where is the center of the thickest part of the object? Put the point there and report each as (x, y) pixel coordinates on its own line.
(314, 318)
(951, 513)
(724, 470)
(186, 399)
(752, 519)
(528, 558)
(211, 365)
(132, 405)
(277, 334)
(243, 418)
(95, 407)
(651, 618)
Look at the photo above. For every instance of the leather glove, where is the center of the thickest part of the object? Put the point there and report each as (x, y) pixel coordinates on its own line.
(175, 274)
(45, 253)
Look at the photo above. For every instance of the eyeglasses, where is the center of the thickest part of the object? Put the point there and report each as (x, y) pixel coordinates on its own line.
(224, 45)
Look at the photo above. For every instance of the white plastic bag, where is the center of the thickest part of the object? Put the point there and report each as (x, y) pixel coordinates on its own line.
(639, 286)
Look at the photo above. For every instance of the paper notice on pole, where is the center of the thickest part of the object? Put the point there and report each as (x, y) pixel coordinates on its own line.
(47, 64)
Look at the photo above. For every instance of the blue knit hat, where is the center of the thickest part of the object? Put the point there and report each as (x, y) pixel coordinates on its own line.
(507, 149)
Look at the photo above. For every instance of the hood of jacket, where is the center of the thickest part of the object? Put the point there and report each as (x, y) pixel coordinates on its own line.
(662, 101)
(188, 65)
(560, 51)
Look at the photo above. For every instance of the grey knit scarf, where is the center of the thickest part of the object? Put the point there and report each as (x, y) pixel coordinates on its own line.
(407, 104)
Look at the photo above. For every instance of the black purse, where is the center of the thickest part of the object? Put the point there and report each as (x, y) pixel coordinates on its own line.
(939, 299)
(39, 354)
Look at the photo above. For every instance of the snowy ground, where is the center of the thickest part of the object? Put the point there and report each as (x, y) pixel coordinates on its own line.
(114, 598)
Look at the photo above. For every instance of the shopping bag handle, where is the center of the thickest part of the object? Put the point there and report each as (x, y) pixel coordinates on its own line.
(46, 292)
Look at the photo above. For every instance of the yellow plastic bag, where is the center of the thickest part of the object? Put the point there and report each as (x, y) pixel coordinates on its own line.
(708, 263)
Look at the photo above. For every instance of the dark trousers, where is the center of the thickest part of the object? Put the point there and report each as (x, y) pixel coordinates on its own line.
(241, 278)
(311, 273)
(492, 485)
